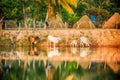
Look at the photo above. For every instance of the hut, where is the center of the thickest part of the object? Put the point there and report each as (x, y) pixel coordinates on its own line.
(84, 23)
(113, 22)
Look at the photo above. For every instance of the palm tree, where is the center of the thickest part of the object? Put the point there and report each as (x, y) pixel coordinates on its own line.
(53, 4)
(23, 8)
(52, 7)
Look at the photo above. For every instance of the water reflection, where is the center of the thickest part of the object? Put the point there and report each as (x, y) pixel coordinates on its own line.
(33, 51)
(60, 64)
(45, 70)
(84, 52)
(74, 50)
(53, 52)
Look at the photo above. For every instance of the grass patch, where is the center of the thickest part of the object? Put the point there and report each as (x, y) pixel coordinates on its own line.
(6, 41)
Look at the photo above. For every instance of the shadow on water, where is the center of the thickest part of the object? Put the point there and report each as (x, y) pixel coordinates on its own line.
(58, 64)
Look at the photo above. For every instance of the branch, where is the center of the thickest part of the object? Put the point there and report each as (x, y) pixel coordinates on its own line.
(2, 19)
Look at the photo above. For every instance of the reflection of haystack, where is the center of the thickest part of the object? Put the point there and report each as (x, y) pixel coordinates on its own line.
(56, 22)
(113, 22)
(84, 22)
(53, 21)
(114, 66)
(84, 65)
(55, 63)
(106, 54)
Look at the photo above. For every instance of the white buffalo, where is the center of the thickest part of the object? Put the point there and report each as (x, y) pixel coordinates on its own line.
(84, 42)
(73, 43)
(53, 39)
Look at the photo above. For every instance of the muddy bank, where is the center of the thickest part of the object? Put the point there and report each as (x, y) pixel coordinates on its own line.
(98, 37)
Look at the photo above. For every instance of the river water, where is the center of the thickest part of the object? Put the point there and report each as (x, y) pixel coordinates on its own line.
(34, 63)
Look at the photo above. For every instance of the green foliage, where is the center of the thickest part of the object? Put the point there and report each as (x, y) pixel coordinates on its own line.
(29, 21)
(40, 23)
(46, 35)
(36, 9)
(81, 9)
(5, 41)
(67, 68)
(114, 6)
(72, 18)
(11, 9)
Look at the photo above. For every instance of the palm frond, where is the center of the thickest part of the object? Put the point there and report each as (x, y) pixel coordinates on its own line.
(72, 2)
(66, 6)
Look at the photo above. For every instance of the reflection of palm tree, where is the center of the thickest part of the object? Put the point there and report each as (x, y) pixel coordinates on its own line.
(35, 73)
(14, 72)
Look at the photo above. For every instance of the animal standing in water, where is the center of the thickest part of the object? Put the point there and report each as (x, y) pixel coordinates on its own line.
(84, 42)
(53, 40)
(33, 40)
(73, 43)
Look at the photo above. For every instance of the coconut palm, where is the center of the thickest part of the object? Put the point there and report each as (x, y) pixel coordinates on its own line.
(54, 6)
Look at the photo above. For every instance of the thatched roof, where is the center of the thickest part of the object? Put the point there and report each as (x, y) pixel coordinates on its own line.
(113, 22)
(56, 22)
(84, 22)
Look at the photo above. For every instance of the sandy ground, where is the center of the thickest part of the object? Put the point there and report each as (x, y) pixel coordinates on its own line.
(97, 37)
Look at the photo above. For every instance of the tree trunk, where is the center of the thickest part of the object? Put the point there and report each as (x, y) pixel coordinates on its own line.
(1, 22)
(49, 15)
(25, 24)
(0, 25)
(34, 23)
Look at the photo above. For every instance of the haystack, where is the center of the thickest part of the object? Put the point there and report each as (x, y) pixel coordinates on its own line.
(56, 22)
(113, 22)
(84, 23)
(53, 20)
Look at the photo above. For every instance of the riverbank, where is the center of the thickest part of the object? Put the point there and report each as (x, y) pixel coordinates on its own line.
(98, 37)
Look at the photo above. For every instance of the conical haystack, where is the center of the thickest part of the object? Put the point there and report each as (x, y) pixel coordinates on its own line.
(56, 22)
(113, 22)
(84, 22)
(115, 67)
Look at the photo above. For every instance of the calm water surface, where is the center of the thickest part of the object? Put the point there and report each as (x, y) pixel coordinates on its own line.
(33, 63)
